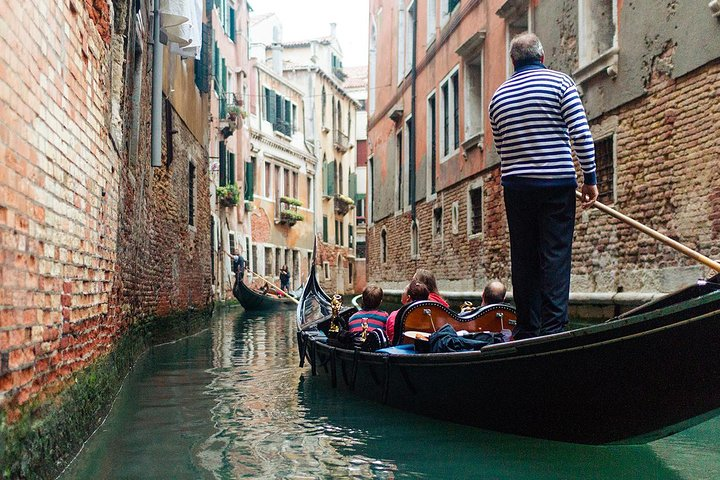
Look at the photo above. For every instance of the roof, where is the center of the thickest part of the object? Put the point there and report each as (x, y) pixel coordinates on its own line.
(357, 77)
(302, 43)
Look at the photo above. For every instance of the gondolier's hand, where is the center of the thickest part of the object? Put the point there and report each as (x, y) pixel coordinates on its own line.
(589, 195)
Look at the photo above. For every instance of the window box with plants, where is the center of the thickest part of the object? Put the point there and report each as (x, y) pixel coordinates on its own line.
(290, 217)
(290, 203)
(343, 204)
(228, 195)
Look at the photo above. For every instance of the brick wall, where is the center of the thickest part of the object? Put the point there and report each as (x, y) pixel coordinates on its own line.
(666, 171)
(91, 237)
(59, 184)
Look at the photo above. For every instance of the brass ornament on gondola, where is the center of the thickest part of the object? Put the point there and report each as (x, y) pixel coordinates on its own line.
(335, 306)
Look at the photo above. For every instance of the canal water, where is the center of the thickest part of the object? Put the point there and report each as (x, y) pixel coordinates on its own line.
(232, 402)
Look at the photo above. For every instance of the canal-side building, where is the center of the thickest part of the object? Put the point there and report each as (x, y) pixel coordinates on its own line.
(315, 66)
(356, 86)
(229, 139)
(104, 210)
(280, 178)
(433, 174)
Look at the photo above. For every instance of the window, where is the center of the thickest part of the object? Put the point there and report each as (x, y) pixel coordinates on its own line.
(278, 261)
(371, 187)
(447, 8)
(350, 271)
(323, 107)
(337, 233)
(472, 54)
(399, 170)
(268, 261)
(431, 20)
(372, 68)
(268, 178)
(250, 178)
(432, 144)
(231, 243)
(342, 234)
(449, 110)
(309, 202)
(360, 249)
(191, 194)
(254, 257)
(475, 213)
(360, 211)
(326, 270)
(406, 162)
(295, 181)
(325, 229)
(409, 30)
(519, 21)
(339, 188)
(455, 216)
(383, 246)
(414, 241)
(437, 223)
(605, 164)
(401, 41)
(231, 177)
(351, 240)
(597, 29)
(222, 161)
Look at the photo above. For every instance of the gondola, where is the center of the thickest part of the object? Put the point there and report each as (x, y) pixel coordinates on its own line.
(642, 375)
(253, 300)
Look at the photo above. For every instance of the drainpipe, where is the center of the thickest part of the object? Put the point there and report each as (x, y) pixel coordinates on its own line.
(413, 79)
(156, 131)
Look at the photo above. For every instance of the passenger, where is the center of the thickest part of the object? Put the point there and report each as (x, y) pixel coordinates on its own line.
(285, 279)
(494, 292)
(427, 278)
(415, 291)
(369, 315)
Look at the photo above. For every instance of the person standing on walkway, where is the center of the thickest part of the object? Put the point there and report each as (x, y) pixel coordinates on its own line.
(535, 116)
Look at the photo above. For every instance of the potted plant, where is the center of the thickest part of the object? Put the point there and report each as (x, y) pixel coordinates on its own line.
(290, 217)
(228, 195)
(343, 203)
(291, 201)
(232, 112)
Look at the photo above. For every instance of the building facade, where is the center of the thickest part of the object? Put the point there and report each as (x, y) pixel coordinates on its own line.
(315, 66)
(229, 139)
(101, 230)
(433, 175)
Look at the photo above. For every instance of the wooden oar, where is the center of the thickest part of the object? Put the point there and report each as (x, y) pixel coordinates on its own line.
(276, 287)
(656, 235)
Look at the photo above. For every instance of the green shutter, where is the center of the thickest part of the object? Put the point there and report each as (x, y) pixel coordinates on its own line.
(250, 180)
(353, 186)
(203, 67)
(271, 106)
(331, 177)
(223, 164)
(232, 24)
(325, 229)
(216, 67)
(231, 168)
(223, 96)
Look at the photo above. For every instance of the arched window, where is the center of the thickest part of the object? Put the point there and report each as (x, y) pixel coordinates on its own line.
(414, 240)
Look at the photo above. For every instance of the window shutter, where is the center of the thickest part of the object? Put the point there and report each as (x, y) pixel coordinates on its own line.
(231, 168)
(353, 186)
(216, 67)
(331, 178)
(223, 164)
(232, 24)
(223, 83)
(249, 180)
(325, 229)
(271, 106)
(204, 66)
(208, 8)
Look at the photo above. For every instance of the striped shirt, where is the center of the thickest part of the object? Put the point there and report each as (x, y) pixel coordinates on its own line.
(374, 318)
(534, 116)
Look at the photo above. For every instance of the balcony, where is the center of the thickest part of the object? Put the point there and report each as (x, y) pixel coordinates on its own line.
(282, 127)
(342, 142)
(343, 204)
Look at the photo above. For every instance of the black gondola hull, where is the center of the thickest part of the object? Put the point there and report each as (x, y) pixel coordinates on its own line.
(253, 301)
(632, 379)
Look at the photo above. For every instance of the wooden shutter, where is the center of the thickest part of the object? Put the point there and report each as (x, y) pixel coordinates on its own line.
(250, 180)
(270, 105)
(231, 168)
(223, 164)
(232, 24)
(353, 186)
(204, 66)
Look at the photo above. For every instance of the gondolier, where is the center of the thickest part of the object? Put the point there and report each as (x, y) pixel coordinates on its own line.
(535, 116)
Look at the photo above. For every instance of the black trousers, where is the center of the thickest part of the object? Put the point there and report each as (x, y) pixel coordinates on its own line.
(541, 223)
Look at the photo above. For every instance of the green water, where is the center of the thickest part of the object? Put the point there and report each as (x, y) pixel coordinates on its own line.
(231, 402)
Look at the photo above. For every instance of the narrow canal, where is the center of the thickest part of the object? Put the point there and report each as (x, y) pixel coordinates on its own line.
(231, 402)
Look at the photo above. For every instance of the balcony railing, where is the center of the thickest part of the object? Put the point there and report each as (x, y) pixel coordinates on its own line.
(282, 127)
(342, 142)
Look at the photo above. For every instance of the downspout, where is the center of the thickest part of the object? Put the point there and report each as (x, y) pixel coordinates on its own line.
(156, 131)
(413, 79)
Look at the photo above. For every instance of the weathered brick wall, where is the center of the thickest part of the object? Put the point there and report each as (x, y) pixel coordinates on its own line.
(91, 236)
(59, 194)
(328, 252)
(459, 263)
(667, 159)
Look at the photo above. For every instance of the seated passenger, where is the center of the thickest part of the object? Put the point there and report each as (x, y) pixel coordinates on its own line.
(415, 291)
(494, 292)
(369, 315)
(427, 278)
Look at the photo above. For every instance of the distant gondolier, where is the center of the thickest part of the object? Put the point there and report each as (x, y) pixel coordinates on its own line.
(238, 266)
(535, 116)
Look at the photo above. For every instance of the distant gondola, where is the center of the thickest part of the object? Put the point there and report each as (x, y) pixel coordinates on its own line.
(253, 300)
(642, 375)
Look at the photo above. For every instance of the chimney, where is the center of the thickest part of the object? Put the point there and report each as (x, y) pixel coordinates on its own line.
(333, 29)
(277, 50)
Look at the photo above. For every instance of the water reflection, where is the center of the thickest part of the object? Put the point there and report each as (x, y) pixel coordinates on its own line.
(233, 403)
